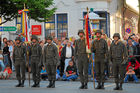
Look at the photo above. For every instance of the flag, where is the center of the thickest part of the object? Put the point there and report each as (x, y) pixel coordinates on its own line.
(25, 25)
(87, 32)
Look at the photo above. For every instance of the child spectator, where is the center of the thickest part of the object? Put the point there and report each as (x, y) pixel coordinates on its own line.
(43, 73)
(130, 74)
(57, 74)
(6, 73)
(71, 72)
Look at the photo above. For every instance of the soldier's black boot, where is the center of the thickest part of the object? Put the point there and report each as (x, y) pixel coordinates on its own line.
(120, 88)
(19, 84)
(50, 84)
(38, 84)
(86, 86)
(102, 86)
(82, 86)
(34, 85)
(99, 86)
(117, 87)
(22, 84)
(53, 84)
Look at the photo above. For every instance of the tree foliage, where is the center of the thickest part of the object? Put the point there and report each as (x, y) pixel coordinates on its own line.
(39, 10)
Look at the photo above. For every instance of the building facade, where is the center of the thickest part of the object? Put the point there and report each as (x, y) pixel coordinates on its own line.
(66, 20)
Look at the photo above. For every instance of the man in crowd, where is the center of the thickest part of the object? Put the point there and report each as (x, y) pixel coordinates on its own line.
(51, 59)
(118, 56)
(35, 54)
(19, 61)
(100, 48)
(67, 54)
(71, 72)
(82, 59)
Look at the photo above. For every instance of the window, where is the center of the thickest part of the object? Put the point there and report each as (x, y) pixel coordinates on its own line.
(57, 25)
(19, 24)
(50, 26)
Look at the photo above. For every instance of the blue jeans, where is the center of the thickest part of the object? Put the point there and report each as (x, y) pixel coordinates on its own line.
(6, 60)
(2, 65)
(133, 76)
(70, 77)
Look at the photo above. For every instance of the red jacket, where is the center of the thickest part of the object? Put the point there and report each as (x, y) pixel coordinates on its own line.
(136, 66)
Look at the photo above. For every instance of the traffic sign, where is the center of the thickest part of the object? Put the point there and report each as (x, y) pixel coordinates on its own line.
(128, 30)
(8, 28)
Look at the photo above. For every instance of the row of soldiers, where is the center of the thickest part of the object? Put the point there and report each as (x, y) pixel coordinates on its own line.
(50, 58)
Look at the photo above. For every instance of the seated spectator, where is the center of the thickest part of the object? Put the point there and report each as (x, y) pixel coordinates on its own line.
(71, 72)
(130, 74)
(135, 64)
(6, 73)
(43, 73)
(2, 65)
(57, 74)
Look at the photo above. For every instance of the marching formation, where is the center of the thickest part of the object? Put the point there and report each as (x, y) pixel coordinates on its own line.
(48, 56)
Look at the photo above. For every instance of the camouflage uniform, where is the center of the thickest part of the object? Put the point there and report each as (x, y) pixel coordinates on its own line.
(19, 53)
(100, 48)
(118, 56)
(82, 60)
(51, 59)
(36, 54)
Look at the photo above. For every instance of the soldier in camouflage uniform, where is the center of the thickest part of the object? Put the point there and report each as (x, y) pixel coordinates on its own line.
(100, 48)
(118, 55)
(35, 53)
(82, 59)
(19, 54)
(51, 59)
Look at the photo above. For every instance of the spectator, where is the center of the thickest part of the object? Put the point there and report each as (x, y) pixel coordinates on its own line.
(131, 49)
(4, 41)
(2, 65)
(6, 73)
(135, 64)
(57, 74)
(130, 74)
(71, 72)
(43, 73)
(138, 51)
(6, 54)
(67, 54)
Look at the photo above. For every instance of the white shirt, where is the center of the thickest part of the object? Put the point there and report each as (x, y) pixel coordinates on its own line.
(68, 52)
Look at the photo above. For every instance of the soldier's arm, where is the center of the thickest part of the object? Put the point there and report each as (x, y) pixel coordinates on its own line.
(44, 54)
(125, 53)
(56, 55)
(93, 47)
(106, 51)
(40, 55)
(75, 51)
(110, 54)
(14, 55)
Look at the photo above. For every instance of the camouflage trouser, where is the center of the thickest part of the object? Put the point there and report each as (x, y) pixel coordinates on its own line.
(100, 70)
(35, 71)
(82, 63)
(51, 71)
(118, 72)
(20, 65)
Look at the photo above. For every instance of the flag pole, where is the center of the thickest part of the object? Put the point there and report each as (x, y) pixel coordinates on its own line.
(88, 50)
(26, 36)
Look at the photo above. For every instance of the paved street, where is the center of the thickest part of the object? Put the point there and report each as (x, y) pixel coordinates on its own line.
(7, 86)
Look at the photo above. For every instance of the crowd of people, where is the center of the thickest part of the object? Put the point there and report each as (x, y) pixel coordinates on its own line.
(66, 66)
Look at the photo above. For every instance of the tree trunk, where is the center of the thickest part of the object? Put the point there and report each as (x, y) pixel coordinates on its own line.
(139, 19)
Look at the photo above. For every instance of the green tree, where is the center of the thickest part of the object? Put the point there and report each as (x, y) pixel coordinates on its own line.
(39, 10)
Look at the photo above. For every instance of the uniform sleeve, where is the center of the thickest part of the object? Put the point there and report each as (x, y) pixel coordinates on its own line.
(106, 51)
(75, 51)
(110, 53)
(56, 55)
(14, 55)
(125, 53)
(44, 53)
(93, 47)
